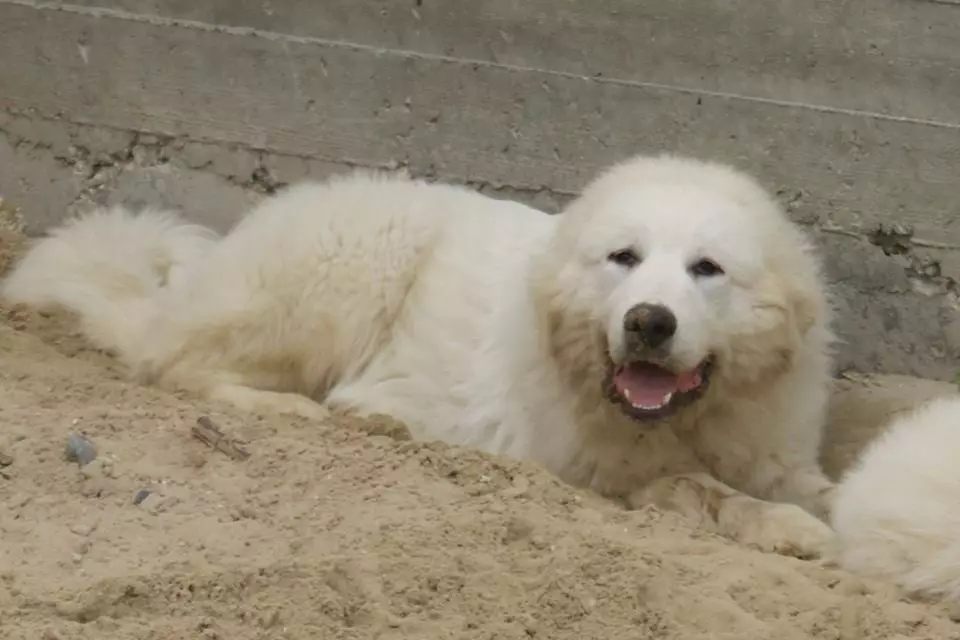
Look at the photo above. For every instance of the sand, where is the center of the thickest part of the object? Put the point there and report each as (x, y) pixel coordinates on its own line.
(349, 530)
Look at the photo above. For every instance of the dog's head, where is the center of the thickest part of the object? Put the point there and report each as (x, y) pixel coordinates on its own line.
(682, 275)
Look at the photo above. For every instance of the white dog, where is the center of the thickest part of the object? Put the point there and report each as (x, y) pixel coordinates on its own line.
(897, 511)
(664, 340)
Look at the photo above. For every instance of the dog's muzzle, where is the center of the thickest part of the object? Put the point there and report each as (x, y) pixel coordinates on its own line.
(643, 384)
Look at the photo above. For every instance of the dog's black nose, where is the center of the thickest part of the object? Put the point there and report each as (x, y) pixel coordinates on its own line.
(650, 324)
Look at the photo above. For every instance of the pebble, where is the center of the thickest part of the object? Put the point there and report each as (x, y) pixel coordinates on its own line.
(80, 450)
(141, 496)
(81, 529)
(155, 504)
(954, 612)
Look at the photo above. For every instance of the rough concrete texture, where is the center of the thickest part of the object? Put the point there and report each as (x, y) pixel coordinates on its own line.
(849, 110)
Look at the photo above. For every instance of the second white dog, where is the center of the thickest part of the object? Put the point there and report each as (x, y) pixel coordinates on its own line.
(664, 340)
(897, 512)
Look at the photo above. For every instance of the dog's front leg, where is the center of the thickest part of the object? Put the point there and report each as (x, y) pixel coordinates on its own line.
(782, 528)
(806, 487)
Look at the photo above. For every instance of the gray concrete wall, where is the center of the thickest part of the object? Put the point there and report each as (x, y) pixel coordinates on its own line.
(849, 110)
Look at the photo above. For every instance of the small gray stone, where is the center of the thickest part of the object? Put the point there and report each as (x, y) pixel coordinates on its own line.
(80, 449)
(141, 496)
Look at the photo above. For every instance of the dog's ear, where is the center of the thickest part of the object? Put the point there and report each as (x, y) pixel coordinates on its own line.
(804, 308)
(765, 338)
(801, 277)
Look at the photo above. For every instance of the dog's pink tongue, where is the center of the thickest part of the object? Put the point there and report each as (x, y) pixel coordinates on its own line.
(689, 380)
(645, 384)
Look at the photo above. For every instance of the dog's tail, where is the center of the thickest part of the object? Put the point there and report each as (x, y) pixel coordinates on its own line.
(897, 512)
(107, 267)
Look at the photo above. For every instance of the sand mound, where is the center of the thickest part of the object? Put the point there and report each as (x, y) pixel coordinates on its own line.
(349, 530)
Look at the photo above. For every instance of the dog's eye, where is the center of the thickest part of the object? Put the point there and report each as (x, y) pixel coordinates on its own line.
(625, 258)
(705, 268)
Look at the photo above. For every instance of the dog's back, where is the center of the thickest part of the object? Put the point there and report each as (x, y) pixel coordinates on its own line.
(361, 280)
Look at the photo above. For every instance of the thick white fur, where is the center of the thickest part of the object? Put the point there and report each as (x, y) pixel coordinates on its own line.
(486, 323)
(897, 511)
(108, 267)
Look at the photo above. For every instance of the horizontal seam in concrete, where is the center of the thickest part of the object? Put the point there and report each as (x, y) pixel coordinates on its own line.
(852, 233)
(119, 14)
(823, 228)
(859, 235)
(354, 164)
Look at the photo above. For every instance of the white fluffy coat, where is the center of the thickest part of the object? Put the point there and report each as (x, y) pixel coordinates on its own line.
(897, 511)
(489, 324)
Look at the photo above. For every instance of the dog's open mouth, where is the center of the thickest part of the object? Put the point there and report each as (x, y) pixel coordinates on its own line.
(648, 391)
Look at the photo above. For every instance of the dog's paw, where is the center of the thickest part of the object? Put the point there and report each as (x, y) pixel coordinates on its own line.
(262, 402)
(295, 405)
(788, 530)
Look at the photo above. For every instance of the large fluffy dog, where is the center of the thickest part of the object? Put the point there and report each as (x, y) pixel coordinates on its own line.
(664, 340)
(897, 512)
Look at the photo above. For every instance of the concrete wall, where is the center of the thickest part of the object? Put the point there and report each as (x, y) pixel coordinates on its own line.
(849, 109)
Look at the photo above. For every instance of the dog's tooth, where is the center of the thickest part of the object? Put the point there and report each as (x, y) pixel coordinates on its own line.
(626, 393)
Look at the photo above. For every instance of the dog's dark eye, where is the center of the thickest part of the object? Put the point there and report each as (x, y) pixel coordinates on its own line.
(705, 268)
(625, 258)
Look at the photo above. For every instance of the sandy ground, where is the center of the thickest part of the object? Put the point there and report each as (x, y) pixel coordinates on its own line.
(349, 530)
